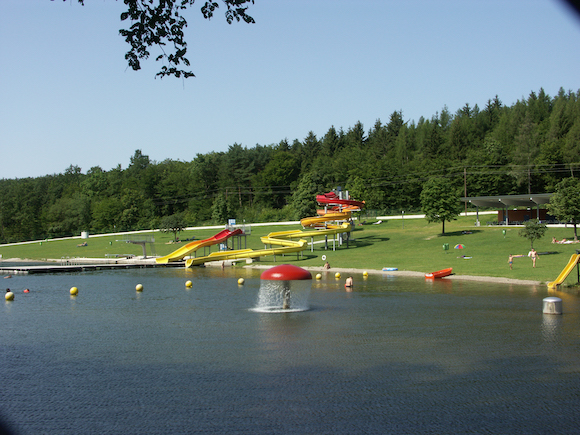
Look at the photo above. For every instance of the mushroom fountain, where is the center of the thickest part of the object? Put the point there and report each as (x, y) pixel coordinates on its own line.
(283, 289)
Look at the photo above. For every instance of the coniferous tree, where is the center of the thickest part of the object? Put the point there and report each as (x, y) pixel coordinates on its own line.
(529, 146)
(219, 209)
(304, 198)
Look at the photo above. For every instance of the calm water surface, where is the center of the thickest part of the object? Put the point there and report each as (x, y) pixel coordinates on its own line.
(397, 355)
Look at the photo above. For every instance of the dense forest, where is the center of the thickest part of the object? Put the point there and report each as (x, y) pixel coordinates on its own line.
(527, 147)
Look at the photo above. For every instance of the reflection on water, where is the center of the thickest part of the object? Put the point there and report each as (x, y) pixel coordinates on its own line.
(396, 355)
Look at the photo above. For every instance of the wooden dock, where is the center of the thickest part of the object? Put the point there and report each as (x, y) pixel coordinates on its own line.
(68, 268)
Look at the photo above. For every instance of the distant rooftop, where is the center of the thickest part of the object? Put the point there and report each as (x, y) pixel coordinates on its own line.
(532, 200)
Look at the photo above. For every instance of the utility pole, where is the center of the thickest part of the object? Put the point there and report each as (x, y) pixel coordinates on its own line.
(465, 187)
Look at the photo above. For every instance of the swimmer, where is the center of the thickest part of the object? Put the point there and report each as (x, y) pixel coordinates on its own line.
(348, 284)
(26, 290)
(326, 265)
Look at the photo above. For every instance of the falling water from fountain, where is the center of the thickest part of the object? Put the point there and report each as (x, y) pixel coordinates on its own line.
(284, 289)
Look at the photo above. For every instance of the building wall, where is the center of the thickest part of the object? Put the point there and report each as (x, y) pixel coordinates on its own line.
(521, 215)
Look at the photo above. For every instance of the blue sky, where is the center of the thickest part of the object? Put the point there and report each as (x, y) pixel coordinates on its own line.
(67, 96)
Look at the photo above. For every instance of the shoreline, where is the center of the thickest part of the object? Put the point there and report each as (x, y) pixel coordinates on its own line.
(342, 270)
(409, 273)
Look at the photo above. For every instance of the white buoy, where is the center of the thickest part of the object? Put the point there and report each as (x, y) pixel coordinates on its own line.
(139, 287)
(552, 305)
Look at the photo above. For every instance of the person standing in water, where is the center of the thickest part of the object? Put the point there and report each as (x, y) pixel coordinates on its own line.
(348, 284)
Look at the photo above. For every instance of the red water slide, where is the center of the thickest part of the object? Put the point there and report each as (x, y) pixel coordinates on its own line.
(332, 198)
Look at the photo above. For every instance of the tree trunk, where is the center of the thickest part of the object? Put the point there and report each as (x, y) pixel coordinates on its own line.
(443, 231)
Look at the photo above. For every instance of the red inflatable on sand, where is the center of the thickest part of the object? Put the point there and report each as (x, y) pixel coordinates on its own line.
(440, 273)
(286, 272)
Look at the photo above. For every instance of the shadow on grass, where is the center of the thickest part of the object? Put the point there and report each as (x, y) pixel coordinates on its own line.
(308, 256)
(362, 241)
(459, 233)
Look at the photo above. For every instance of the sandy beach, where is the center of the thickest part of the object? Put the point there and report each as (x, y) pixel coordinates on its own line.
(347, 271)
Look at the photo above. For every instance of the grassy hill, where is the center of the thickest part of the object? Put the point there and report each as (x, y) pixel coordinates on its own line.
(416, 247)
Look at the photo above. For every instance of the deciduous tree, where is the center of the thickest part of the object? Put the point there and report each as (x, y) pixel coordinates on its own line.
(440, 201)
(161, 23)
(565, 202)
(533, 230)
(172, 224)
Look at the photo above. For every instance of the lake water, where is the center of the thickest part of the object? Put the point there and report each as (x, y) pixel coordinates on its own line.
(397, 355)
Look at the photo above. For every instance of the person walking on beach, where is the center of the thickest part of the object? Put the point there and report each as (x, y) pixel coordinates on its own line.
(511, 261)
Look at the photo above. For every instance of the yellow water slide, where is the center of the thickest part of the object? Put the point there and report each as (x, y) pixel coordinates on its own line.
(283, 247)
(316, 221)
(574, 259)
(275, 237)
(281, 242)
(185, 250)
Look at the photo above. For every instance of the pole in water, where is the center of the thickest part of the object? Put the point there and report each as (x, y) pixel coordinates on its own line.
(286, 295)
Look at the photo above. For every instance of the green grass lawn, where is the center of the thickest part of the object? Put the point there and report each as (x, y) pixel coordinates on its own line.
(416, 247)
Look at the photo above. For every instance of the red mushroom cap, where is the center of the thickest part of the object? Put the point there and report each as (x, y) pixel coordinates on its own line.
(286, 272)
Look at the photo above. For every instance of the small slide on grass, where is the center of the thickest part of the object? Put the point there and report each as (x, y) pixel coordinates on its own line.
(185, 250)
(574, 259)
